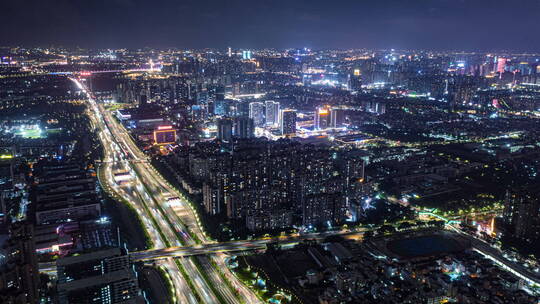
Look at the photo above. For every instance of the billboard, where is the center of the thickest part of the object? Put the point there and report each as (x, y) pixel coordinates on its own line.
(164, 135)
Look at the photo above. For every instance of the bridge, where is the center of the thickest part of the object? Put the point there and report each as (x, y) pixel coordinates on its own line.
(135, 161)
(222, 247)
(236, 246)
(90, 73)
(480, 246)
(82, 74)
(260, 244)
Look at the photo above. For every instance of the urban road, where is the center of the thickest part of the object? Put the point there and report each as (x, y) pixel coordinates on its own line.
(168, 225)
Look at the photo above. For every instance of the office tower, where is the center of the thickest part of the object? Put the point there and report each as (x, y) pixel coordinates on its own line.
(322, 118)
(105, 276)
(246, 55)
(493, 64)
(355, 80)
(143, 101)
(224, 129)
(229, 52)
(337, 117)
(272, 113)
(288, 122)
(501, 65)
(223, 107)
(219, 93)
(243, 127)
(256, 112)
(380, 108)
(241, 109)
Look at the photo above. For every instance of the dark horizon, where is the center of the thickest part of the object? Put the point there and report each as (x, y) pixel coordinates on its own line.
(435, 25)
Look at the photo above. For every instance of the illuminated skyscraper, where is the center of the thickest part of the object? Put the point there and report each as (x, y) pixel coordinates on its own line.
(224, 129)
(501, 65)
(272, 113)
(355, 80)
(525, 68)
(322, 118)
(337, 117)
(380, 108)
(288, 122)
(256, 112)
(243, 127)
(246, 55)
(143, 101)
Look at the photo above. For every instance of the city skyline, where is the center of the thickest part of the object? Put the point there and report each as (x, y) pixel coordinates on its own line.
(284, 152)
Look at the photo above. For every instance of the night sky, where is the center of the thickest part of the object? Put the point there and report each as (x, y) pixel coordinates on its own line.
(436, 24)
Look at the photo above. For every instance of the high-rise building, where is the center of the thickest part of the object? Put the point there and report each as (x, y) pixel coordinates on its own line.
(288, 122)
(380, 108)
(322, 118)
(246, 55)
(355, 80)
(143, 101)
(219, 93)
(241, 109)
(223, 107)
(525, 68)
(322, 208)
(105, 276)
(312, 185)
(521, 215)
(244, 127)
(501, 65)
(272, 113)
(19, 272)
(337, 117)
(256, 112)
(225, 129)
(65, 192)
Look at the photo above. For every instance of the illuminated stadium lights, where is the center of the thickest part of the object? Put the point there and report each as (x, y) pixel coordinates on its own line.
(28, 131)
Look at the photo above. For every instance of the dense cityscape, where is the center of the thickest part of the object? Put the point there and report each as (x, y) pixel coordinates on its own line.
(269, 175)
